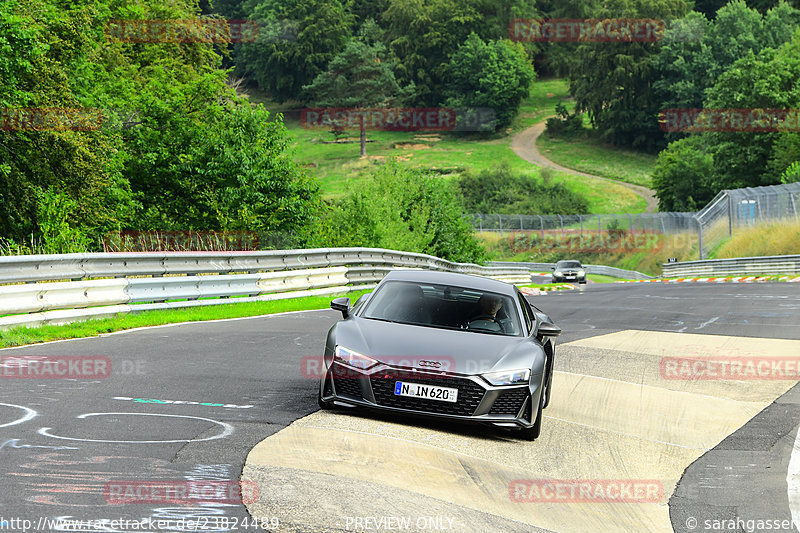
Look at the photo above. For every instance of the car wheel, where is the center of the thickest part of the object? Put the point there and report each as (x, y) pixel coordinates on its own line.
(532, 433)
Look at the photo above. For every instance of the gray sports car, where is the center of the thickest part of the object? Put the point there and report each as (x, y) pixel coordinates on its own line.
(443, 345)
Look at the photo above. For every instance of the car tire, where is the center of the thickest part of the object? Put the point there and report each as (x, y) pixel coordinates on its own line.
(532, 433)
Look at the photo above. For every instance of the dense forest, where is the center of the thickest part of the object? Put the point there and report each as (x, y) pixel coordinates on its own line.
(168, 142)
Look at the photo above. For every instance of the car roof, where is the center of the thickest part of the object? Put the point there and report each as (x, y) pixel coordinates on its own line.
(451, 278)
(570, 261)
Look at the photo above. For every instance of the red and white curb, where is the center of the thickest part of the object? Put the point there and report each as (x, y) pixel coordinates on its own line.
(740, 279)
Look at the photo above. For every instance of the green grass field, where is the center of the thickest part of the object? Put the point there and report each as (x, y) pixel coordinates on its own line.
(338, 167)
(589, 154)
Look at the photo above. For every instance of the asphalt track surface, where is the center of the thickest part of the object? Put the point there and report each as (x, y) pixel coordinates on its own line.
(67, 444)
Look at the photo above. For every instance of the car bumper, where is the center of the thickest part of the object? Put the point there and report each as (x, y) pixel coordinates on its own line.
(478, 402)
(567, 279)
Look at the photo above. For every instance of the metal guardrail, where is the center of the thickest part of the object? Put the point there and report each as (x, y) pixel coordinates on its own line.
(590, 269)
(779, 264)
(34, 290)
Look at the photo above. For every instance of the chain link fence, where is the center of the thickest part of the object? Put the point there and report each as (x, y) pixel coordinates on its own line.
(735, 209)
(728, 211)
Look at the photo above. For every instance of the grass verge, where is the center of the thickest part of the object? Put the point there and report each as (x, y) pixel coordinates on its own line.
(20, 336)
(588, 153)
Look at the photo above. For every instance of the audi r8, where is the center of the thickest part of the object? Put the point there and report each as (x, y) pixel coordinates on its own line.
(444, 345)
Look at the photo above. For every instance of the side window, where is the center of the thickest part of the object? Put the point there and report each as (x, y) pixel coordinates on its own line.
(526, 312)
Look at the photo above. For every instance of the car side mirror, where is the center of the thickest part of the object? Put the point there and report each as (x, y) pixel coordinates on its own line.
(342, 304)
(548, 329)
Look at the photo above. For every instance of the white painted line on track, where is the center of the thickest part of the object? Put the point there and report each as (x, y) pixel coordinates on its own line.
(793, 481)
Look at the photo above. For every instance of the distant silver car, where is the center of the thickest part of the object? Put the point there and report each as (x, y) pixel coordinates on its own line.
(569, 270)
(443, 345)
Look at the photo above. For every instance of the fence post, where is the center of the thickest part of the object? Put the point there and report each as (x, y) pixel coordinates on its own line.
(794, 207)
(562, 223)
(700, 239)
(500, 218)
(520, 224)
(730, 214)
(580, 218)
(480, 223)
(541, 223)
(599, 227)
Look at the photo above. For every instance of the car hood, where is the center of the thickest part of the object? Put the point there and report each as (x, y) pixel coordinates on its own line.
(422, 347)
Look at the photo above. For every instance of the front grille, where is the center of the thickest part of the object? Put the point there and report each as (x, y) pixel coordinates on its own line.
(470, 393)
(509, 402)
(349, 386)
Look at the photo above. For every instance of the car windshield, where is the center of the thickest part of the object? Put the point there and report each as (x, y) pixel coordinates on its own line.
(568, 264)
(444, 306)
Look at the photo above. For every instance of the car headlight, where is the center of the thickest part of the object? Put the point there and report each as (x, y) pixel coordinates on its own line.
(581, 273)
(510, 377)
(557, 273)
(354, 359)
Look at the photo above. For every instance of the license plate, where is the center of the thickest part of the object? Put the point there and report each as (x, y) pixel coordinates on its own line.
(430, 392)
(570, 277)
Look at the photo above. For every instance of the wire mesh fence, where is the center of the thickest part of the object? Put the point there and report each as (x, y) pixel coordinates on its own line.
(728, 212)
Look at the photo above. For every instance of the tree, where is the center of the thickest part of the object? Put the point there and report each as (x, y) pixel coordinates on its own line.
(282, 66)
(612, 81)
(682, 175)
(766, 81)
(176, 147)
(423, 35)
(495, 74)
(41, 49)
(401, 209)
(357, 78)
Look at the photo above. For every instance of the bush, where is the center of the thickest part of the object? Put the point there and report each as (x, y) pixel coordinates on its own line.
(564, 123)
(499, 190)
(401, 209)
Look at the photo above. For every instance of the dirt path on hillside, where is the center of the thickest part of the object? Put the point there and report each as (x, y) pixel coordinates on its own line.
(524, 145)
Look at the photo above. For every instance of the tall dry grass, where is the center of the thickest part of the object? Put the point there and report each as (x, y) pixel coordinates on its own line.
(763, 239)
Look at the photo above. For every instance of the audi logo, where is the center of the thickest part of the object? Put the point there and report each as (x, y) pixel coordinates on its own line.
(430, 364)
